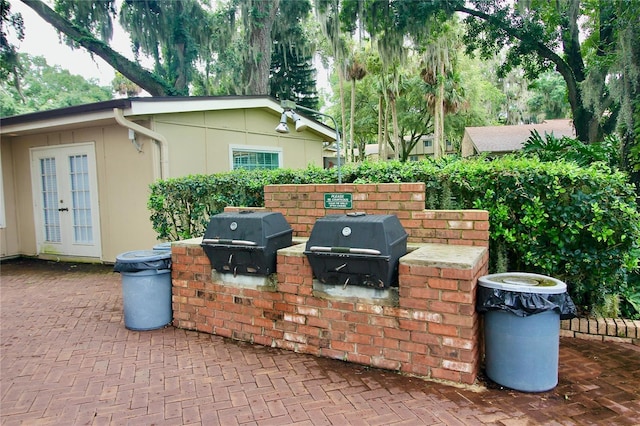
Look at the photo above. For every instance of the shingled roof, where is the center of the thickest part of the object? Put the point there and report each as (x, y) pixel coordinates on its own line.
(504, 139)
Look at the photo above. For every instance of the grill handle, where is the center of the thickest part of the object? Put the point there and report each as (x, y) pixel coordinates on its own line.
(283, 232)
(351, 250)
(212, 241)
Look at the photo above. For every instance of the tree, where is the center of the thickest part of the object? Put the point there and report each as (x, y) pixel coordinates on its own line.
(258, 17)
(81, 36)
(123, 86)
(548, 97)
(328, 15)
(292, 77)
(415, 116)
(484, 99)
(355, 72)
(390, 24)
(291, 74)
(618, 64)
(173, 33)
(181, 37)
(9, 63)
(440, 63)
(364, 116)
(532, 30)
(47, 87)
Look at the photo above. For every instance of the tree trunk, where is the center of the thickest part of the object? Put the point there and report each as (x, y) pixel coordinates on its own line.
(352, 118)
(259, 17)
(396, 128)
(380, 132)
(134, 72)
(385, 131)
(343, 110)
(438, 116)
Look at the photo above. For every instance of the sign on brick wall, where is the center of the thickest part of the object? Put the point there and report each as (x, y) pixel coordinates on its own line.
(338, 200)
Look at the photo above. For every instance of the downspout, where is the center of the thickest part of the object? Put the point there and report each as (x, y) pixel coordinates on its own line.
(159, 138)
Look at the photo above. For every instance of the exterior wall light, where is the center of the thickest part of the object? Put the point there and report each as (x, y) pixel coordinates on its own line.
(289, 108)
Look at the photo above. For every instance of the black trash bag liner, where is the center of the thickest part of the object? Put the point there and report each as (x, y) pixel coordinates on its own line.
(142, 266)
(143, 260)
(524, 304)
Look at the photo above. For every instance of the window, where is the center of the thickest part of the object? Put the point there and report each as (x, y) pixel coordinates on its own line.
(250, 158)
(428, 144)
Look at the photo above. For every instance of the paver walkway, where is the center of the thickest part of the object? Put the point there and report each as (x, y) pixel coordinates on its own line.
(67, 359)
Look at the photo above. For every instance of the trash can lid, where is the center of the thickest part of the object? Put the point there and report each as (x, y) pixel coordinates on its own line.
(523, 282)
(163, 246)
(143, 256)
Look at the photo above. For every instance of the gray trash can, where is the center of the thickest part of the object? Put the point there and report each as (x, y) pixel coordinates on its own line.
(163, 246)
(146, 288)
(522, 315)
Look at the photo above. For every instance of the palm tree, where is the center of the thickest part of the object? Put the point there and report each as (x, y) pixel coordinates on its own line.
(439, 61)
(356, 72)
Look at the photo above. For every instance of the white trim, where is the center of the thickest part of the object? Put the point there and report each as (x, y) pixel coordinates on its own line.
(195, 104)
(256, 148)
(171, 106)
(150, 107)
(52, 123)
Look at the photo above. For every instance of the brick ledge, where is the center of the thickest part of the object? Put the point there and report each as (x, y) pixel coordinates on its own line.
(602, 329)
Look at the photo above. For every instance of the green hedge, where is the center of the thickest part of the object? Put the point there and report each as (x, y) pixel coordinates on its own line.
(579, 224)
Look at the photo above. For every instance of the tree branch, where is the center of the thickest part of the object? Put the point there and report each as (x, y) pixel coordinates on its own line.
(581, 116)
(133, 71)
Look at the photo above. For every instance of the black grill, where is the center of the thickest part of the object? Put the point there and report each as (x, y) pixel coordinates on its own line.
(357, 249)
(246, 242)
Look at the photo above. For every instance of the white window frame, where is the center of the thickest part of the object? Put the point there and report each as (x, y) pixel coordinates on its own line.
(255, 148)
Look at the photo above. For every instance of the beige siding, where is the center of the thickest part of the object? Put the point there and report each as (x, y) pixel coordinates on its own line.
(200, 142)
(123, 179)
(124, 175)
(9, 241)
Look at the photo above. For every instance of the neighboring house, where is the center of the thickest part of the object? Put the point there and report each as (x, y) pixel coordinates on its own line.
(499, 140)
(422, 149)
(75, 181)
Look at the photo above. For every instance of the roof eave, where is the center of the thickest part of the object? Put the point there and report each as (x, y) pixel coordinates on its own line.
(144, 107)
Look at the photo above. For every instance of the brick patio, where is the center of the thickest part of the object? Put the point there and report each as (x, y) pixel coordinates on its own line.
(66, 358)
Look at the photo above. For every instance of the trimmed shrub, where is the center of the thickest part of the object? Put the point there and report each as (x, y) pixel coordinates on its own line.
(579, 224)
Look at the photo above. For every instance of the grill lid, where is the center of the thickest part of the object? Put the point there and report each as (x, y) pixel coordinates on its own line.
(246, 242)
(248, 228)
(356, 249)
(356, 233)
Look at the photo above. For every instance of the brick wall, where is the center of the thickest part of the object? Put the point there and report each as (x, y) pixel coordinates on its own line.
(603, 329)
(430, 329)
(303, 204)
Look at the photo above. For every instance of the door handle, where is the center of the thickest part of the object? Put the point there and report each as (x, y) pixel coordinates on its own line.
(64, 209)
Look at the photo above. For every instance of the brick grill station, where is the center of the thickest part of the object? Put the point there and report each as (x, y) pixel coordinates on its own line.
(427, 326)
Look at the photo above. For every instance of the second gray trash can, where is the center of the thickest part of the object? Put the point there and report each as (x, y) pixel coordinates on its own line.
(163, 246)
(146, 288)
(522, 315)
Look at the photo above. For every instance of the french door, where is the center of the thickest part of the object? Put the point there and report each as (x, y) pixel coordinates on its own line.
(66, 200)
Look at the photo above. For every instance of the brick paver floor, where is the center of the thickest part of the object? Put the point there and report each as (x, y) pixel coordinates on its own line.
(67, 359)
